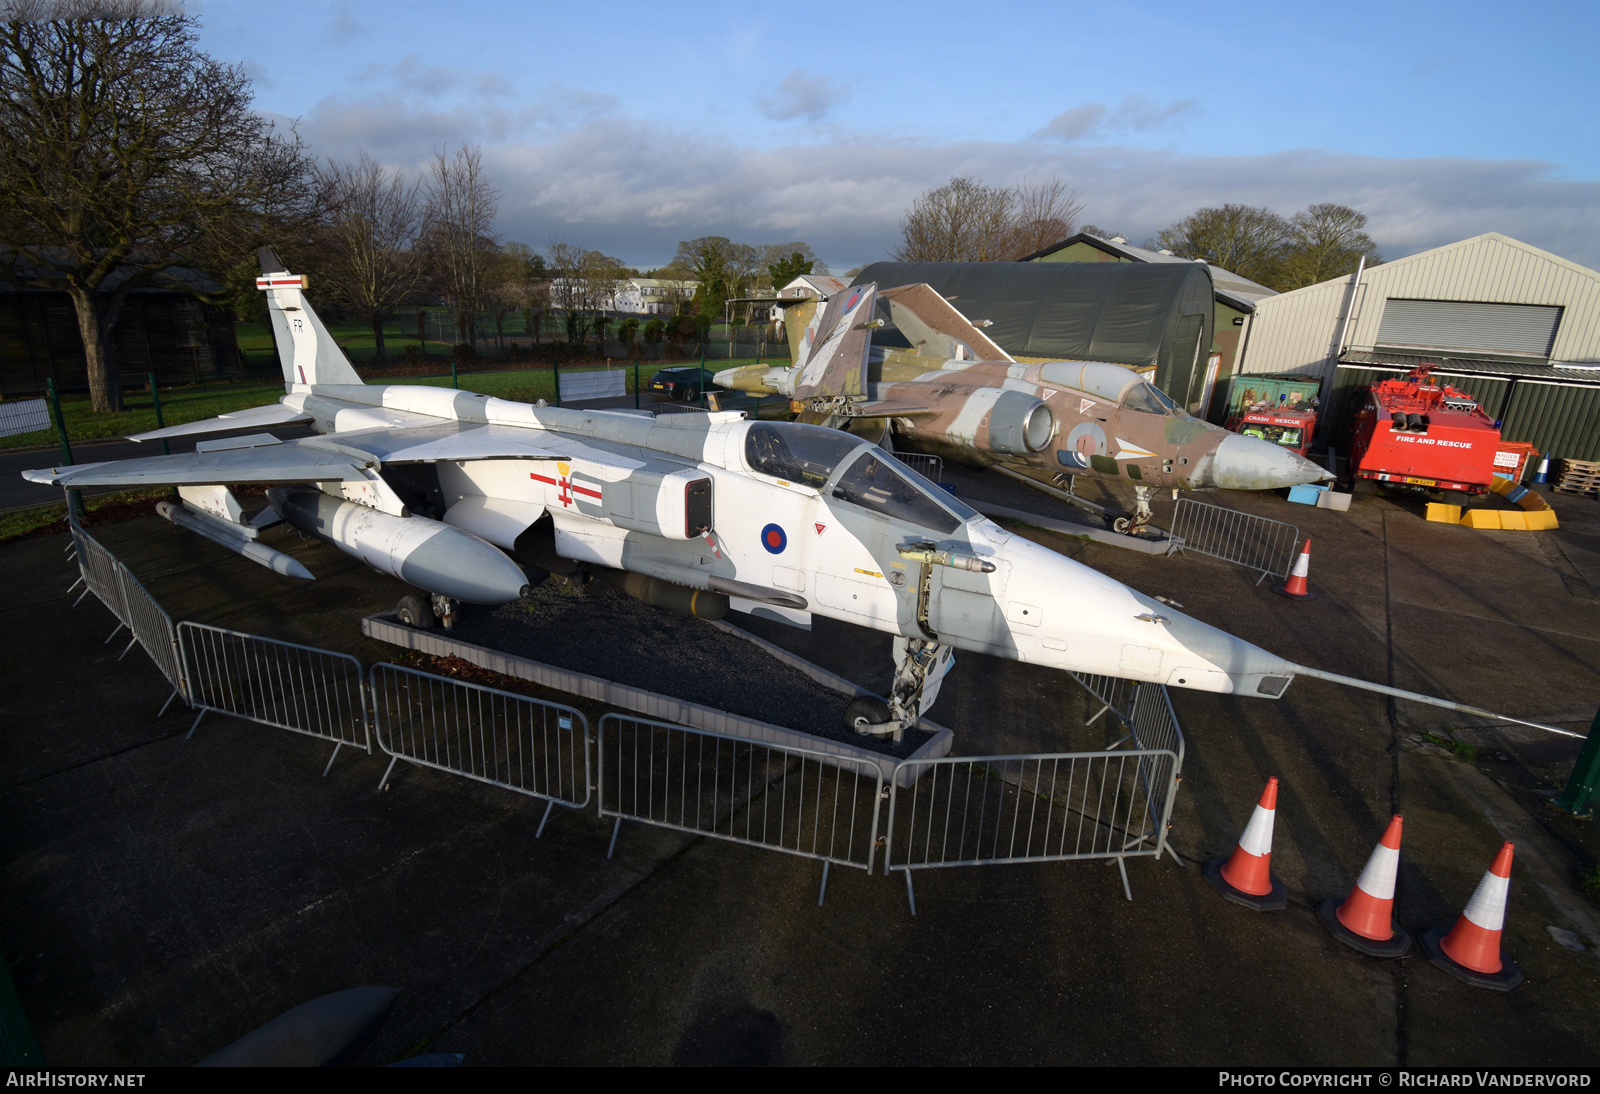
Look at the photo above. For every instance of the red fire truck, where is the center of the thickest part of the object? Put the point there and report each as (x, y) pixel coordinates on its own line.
(1279, 409)
(1424, 433)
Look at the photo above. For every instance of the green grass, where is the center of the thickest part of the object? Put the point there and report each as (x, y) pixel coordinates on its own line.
(178, 405)
(1459, 749)
(1590, 880)
(191, 404)
(19, 524)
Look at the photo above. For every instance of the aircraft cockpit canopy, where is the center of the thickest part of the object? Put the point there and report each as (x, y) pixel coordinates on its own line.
(804, 454)
(1113, 383)
(879, 482)
(1146, 397)
(811, 455)
(1096, 377)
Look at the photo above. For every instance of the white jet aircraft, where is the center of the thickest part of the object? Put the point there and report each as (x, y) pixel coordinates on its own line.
(459, 495)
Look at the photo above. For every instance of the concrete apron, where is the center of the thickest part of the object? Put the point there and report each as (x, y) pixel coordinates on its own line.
(162, 898)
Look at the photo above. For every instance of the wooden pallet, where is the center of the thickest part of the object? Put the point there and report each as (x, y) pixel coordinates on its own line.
(1577, 477)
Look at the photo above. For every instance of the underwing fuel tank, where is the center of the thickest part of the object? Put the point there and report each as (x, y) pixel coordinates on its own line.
(426, 553)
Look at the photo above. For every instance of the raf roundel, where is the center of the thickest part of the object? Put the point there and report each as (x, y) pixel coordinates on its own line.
(774, 539)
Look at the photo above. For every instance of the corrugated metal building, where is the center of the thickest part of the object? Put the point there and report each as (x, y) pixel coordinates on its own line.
(1517, 327)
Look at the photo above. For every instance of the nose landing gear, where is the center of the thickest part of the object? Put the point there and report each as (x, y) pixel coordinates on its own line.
(920, 668)
(1142, 514)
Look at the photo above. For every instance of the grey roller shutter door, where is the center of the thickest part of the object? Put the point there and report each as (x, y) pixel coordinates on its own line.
(1486, 328)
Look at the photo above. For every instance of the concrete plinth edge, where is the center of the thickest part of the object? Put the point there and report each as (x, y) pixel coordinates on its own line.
(384, 627)
(1149, 546)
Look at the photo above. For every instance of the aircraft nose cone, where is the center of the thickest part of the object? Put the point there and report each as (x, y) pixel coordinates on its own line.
(1248, 463)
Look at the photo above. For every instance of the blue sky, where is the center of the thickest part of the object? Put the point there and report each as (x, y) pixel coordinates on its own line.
(627, 127)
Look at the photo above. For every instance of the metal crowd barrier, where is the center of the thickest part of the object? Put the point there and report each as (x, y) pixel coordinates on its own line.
(299, 688)
(1114, 693)
(512, 741)
(794, 800)
(1256, 543)
(115, 586)
(1114, 804)
(152, 628)
(97, 568)
(929, 467)
(989, 810)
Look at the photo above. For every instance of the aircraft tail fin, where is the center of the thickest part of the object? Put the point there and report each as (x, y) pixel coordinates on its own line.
(799, 324)
(936, 329)
(306, 350)
(835, 354)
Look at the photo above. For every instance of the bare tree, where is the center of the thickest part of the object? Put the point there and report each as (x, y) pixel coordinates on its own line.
(1044, 212)
(567, 291)
(127, 155)
(602, 275)
(1326, 241)
(1246, 239)
(374, 220)
(961, 221)
(461, 211)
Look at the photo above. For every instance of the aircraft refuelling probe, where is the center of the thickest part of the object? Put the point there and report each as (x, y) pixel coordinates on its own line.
(466, 497)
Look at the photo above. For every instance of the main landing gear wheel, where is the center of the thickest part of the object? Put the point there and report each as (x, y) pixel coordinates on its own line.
(866, 712)
(1142, 513)
(416, 612)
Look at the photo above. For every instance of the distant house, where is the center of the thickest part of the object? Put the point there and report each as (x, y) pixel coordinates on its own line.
(1236, 297)
(816, 286)
(633, 295)
(171, 333)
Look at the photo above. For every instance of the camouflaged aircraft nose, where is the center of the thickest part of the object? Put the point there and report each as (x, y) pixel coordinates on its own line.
(1248, 463)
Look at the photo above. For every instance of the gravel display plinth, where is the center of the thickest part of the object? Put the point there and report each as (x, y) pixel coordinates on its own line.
(618, 638)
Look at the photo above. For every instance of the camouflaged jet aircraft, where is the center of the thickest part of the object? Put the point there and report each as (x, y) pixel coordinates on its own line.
(957, 394)
(469, 498)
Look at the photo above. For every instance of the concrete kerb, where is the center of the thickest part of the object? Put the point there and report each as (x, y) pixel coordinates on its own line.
(664, 708)
(1147, 546)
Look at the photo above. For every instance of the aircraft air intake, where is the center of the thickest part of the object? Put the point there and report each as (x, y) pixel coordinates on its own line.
(1020, 424)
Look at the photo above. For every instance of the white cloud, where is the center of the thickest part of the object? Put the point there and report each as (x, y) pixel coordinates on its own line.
(1134, 114)
(571, 162)
(802, 95)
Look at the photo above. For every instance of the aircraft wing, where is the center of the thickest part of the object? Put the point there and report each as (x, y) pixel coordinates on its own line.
(935, 328)
(266, 460)
(256, 417)
(837, 363)
(456, 441)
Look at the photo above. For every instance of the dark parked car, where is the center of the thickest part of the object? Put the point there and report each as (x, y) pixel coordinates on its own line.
(684, 382)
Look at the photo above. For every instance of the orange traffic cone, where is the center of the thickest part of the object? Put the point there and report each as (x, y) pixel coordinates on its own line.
(1365, 920)
(1246, 878)
(1471, 951)
(1295, 588)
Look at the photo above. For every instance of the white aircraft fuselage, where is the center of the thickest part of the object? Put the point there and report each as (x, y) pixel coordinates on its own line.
(616, 501)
